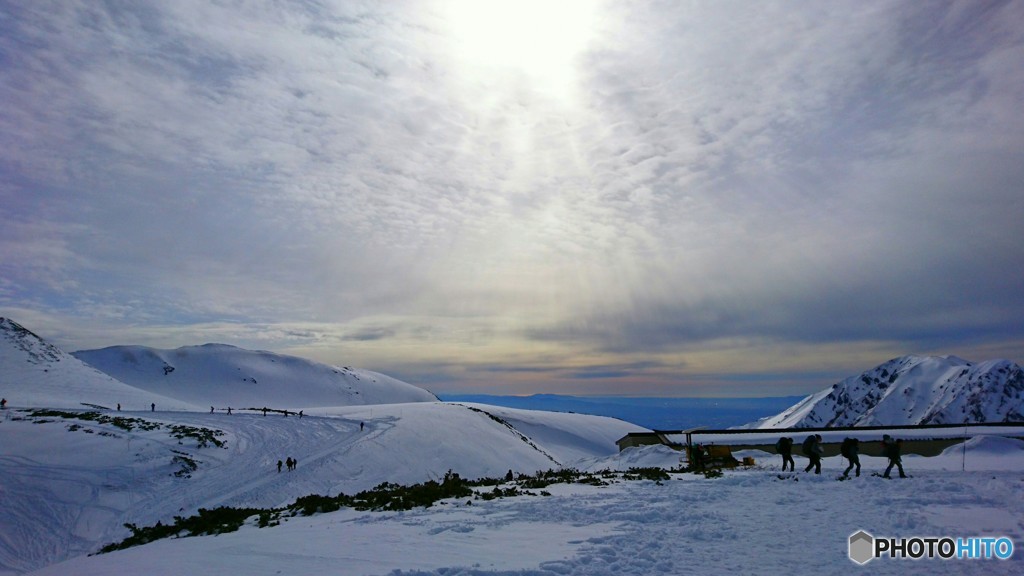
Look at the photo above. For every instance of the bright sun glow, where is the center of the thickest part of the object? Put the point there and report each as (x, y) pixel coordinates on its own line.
(541, 39)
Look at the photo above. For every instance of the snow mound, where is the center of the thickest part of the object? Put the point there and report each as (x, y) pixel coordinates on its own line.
(988, 445)
(654, 456)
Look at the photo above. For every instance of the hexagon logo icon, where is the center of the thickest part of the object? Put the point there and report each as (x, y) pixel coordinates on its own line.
(862, 547)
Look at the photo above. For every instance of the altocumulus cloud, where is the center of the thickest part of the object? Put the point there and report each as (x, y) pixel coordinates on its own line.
(649, 198)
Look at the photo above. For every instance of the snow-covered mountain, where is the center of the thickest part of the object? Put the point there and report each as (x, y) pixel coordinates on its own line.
(914, 390)
(34, 372)
(220, 375)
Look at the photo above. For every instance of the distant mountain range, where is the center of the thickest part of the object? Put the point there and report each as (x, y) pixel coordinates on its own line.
(653, 413)
(913, 390)
(34, 372)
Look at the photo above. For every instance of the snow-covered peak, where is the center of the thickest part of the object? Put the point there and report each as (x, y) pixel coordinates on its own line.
(34, 372)
(19, 338)
(914, 390)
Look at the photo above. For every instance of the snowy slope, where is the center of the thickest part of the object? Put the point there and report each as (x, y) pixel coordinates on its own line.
(567, 437)
(34, 372)
(750, 521)
(70, 485)
(220, 375)
(914, 390)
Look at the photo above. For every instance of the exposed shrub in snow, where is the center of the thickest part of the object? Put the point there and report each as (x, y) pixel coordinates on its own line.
(386, 496)
(206, 522)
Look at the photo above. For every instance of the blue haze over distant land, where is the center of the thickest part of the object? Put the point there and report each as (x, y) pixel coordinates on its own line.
(653, 413)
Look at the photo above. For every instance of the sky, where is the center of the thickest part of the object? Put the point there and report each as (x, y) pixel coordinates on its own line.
(581, 197)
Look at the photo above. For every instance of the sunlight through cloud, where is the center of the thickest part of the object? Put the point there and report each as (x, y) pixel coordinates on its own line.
(540, 40)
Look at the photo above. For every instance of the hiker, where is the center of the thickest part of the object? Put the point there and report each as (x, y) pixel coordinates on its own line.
(300, 413)
(3, 403)
(118, 406)
(785, 448)
(295, 463)
(264, 411)
(229, 410)
(813, 450)
(360, 426)
(211, 409)
(288, 462)
(509, 477)
(850, 449)
(152, 407)
(278, 466)
(892, 450)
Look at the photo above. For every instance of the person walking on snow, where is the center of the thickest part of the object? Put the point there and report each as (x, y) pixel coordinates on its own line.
(785, 448)
(813, 450)
(278, 466)
(850, 449)
(892, 451)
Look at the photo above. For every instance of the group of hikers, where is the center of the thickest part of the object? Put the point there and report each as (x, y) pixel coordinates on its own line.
(849, 449)
(290, 462)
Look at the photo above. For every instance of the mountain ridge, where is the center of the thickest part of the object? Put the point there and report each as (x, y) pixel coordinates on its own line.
(35, 372)
(226, 375)
(913, 389)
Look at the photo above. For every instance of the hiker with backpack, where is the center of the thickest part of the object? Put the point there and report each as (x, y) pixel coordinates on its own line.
(892, 450)
(813, 450)
(850, 449)
(785, 448)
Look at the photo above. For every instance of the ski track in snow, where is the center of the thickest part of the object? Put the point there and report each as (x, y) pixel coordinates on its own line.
(37, 496)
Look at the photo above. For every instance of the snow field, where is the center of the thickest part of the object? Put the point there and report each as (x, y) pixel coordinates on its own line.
(67, 492)
(748, 521)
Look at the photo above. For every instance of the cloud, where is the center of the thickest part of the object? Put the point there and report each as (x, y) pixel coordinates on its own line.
(345, 180)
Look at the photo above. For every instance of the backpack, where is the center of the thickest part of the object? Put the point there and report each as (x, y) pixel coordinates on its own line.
(890, 449)
(807, 445)
(845, 447)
